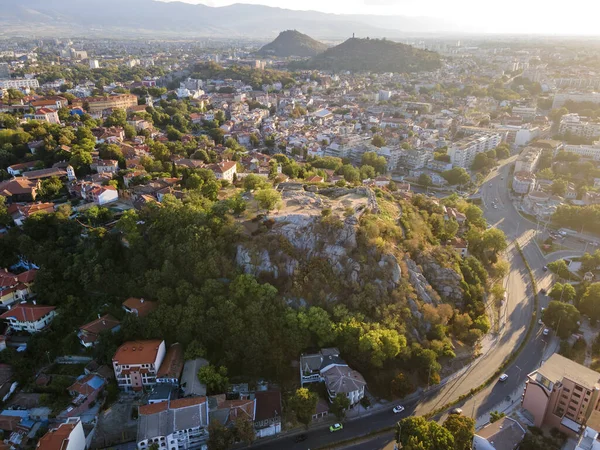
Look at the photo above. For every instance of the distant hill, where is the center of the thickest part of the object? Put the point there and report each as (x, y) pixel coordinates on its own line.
(293, 43)
(374, 55)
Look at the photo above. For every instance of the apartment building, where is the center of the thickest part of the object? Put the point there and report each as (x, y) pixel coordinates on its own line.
(18, 83)
(523, 182)
(47, 115)
(585, 151)
(29, 317)
(67, 436)
(525, 112)
(136, 363)
(562, 394)
(573, 125)
(462, 153)
(528, 160)
(123, 101)
(561, 99)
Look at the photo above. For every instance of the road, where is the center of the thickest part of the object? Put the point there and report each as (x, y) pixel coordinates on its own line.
(517, 314)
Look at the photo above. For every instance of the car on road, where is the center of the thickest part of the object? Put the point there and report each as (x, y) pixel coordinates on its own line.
(490, 184)
(301, 438)
(540, 322)
(502, 178)
(336, 427)
(495, 206)
(456, 411)
(543, 291)
(398, 409)
(546, 332)
(503, 377)
(545, 268)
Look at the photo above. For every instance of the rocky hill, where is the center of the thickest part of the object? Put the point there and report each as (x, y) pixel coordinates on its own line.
(374, 55)
(293, 43)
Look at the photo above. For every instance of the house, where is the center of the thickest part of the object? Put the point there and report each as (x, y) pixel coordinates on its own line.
(504, 434)
(225, 170)
(45, 173)
(47, 115)
(327, 367)
(85, 392)
(15, 288)
(267, 420)
(17, 169)
(19, 190)
(139, 306)
(561, 394)
(67, 436)
(90, 332)
(105, 166)
(172, 366)
(315, 179)
(21, 212)
(136, 363)
(460, 245)
(227, 411)
(178, 424)
(101, 195)
(28, 317)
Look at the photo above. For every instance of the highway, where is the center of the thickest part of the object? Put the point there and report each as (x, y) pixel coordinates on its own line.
(515, 318)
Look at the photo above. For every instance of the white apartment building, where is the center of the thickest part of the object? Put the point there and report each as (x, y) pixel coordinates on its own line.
(462, 153)
(523, 182)
(585, 151)
(94, 64)
(572, 124)
(17, 83)
(527, 113)
(47, 115)
(528, 160)
(28, 317)
(136, 363)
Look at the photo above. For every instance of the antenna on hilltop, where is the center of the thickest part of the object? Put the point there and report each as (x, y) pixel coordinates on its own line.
(352, 35)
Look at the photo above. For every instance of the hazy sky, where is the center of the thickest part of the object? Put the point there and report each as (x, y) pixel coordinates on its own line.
(522, 16)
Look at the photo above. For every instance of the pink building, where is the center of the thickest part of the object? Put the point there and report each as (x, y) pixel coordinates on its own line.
(562, 394)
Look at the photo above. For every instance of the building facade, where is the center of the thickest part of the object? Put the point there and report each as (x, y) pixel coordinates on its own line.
(136, 364)
(462, 153)
(123, 101)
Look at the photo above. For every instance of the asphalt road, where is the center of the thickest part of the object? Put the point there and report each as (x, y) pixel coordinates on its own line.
(517, 311)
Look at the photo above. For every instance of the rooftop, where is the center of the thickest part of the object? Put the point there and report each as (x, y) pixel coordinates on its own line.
(140, 306)
(162, 419)
(504, 434)
(137, 352)
(27, 312)
(172, 365)
(56, 439)
(558, 367)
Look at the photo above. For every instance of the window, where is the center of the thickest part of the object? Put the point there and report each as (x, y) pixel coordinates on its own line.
(578, 388)
(571, 407)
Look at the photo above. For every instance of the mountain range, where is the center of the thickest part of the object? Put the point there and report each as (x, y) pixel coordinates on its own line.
(149, 18)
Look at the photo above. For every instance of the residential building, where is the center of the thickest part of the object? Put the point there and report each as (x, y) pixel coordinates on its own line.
(17, 169)
(573, 125)
(139, 306)
(460, 245)
(561, 99)
(28, 317)
(172, 366)
(67, 436)
(122, 101)
(327, 367)
(504, 434)
(180, 424)
(18, 83)
(462, 153)
(15, 288)
(267, 421)
(585, 151)
(224, 170)
(89, 333)
(19, 190)
(588, 440)
(526, 112)
(523, 182)
(94, 64)
(47, 115)
(528, 160)
(54, 102)
(84, 393)
(562, 394)
(105, 166)
(136, 363)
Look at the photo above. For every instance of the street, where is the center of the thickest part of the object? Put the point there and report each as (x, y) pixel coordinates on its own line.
(515, 318)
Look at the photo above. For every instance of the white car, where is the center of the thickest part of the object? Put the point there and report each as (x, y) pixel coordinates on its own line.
(503, 377)
(546, 332)
(398, 409)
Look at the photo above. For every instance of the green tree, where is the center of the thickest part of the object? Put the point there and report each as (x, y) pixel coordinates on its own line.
(268, 198)
(417, 432)
(401, 386)
(462, 429)
(424, 180)
(378, 141)
(304, 405)
(253, 182)
(565, 292)
(381, 344)
(590, 301)
(219, 436)
(243, 430)
(457, 175)
(118, 117)
(372, 159)
(214, 378)
(560, 268)
(502, 151)
(339, 405)
(495, 416)
(559, 187)
(50, 187)
(5, 218)
(562, 317)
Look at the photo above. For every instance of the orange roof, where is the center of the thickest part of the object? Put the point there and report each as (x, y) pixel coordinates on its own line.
(28, 313)
(56, 439)
(140, 306)
(172, 365)
(106, 322)
(137, 352)
(154, 408)
(27, 277)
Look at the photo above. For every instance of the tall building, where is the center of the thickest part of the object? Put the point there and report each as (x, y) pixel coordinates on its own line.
(528, 160)
(16, 83)
(573, 125)
(585, 151)
(124, 101)
(136, 363)
(462, 153)
(94, 64)
(562, 394)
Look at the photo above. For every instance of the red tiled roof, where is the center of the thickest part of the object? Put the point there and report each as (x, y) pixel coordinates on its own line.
(56, 439)
(28, 313)
(28, 276)
(137, 352)
(106, 322)
(172, 365)
(143, 307)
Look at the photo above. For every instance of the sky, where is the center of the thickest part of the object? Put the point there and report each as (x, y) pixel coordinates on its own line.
(513, 16)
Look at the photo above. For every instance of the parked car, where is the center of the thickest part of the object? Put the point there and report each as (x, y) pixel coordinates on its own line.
(456, 411)
(545, 268)
(336, 427)
(543, 291)
(540, 322)
(301, 438)
(398, 409)
(546, 332)
(503, 377)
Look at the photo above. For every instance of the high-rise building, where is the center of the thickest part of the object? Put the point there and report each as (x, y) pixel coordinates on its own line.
(462, 153)
(94, 64)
